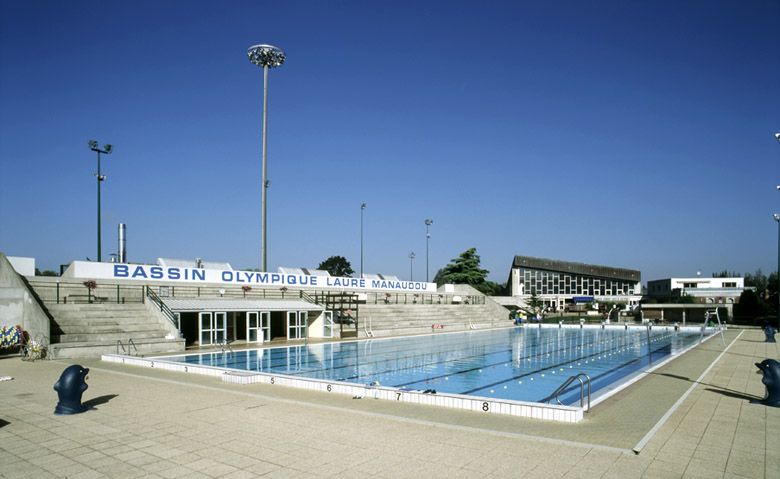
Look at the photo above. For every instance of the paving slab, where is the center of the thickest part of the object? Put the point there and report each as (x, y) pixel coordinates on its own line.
(152, 423)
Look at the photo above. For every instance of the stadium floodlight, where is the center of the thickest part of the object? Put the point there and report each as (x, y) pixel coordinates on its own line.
(265, 56)
(107, 149)
(428, 223)
(362, 207)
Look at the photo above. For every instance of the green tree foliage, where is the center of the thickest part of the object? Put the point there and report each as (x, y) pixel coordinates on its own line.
(535, 305)
(337, 266)
(726, 274)
(47, 272)
(757, 280)
(465, 269)
(750, 305)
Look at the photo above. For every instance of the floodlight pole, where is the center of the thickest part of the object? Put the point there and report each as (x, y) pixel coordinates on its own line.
(428, 223)
(362, 207)
(777, 218)
(93, 145)
(411, 266)
(266, 56)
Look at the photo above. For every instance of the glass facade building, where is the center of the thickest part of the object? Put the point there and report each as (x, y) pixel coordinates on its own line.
(559, 283)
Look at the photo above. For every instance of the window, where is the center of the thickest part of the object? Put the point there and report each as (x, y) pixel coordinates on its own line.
(730, 284)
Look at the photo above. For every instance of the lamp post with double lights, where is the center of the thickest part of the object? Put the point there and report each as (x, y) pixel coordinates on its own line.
(266, 56)
(107, 149)
(411, 265)
(428, 223)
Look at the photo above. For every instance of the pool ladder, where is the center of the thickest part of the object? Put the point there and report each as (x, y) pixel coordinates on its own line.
(577, 377)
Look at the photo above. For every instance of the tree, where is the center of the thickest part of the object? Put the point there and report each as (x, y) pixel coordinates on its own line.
(465, 270)
(749, 305)
(337, 266)
(758, 280)
(535, 305)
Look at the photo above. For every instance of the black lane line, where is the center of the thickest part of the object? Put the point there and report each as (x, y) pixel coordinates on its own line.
(413, 356)
(599, 376)
(503, 381)
(454, 373)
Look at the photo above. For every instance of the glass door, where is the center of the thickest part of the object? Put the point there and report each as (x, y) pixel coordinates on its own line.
(265, 325)
(212, 328)
(219, 333)
(296, 324)
(327, 327)
(253, 331)
(205, 328)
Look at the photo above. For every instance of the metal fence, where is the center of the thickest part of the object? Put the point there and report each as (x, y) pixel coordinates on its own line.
(62, 292)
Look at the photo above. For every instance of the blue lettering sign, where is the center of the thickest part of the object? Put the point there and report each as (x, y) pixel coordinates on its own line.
(120, 271)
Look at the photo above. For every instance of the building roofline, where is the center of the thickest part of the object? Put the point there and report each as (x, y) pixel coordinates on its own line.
(577, 268)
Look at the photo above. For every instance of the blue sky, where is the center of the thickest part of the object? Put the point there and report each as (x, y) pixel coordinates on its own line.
(623, 133)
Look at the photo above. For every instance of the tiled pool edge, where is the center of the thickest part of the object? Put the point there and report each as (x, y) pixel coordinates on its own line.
(550, 412)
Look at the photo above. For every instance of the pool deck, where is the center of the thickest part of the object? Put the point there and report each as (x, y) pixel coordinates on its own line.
(686, 419)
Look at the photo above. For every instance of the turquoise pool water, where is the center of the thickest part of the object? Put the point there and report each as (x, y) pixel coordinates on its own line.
(524, 364)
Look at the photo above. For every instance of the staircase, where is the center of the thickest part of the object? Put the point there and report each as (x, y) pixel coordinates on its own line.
(404, 319)
(89, 330)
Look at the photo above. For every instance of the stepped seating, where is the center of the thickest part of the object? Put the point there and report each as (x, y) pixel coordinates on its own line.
(89, 330)
(398, 320)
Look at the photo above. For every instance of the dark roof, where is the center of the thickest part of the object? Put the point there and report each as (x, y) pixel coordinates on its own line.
(576, 268)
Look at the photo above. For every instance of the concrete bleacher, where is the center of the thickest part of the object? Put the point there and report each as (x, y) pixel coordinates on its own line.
(89, 330)
(382, 320)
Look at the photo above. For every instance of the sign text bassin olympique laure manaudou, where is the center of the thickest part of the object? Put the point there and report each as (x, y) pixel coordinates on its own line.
(142, 272)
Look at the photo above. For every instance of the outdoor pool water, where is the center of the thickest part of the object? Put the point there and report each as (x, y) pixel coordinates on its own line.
(522, 364)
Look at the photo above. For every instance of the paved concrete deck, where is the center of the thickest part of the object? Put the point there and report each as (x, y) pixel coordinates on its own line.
(149, 423)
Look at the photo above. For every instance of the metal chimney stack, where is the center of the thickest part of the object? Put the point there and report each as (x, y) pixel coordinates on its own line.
(122, 243)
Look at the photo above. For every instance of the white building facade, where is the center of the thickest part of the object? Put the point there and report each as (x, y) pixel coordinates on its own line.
(561, 284)
(703, 290)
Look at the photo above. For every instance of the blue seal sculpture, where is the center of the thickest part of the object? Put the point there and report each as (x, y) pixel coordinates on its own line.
(769, 331)
(70, 387)
(771, 370)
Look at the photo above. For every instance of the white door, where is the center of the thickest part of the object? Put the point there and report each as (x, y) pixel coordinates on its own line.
(327, 327)
(253, 332)
(258, 326)
(205, 328)
(265, 325)
(212, 328)
(296, 324)
(219, 334)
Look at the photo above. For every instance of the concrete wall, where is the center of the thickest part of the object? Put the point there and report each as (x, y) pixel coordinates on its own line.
(17, 304)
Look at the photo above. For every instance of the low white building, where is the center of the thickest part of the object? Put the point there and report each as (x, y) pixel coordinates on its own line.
(703, 290)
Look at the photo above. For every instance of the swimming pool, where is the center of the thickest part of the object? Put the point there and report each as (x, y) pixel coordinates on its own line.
(518, 364)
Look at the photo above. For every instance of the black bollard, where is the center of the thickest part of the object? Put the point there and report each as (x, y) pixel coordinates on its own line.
(771, 370)
(70, 387)
(770, 334)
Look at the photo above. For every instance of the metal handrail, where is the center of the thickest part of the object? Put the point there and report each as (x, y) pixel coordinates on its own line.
(562, 388)
(120, 344)
(164, 309)
(225, 345)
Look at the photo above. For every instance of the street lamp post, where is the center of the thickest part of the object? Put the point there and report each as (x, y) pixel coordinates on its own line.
(266, 56)
(107, 149)
(777, 218)
(411, 266)
(362, 207)
(428, 223)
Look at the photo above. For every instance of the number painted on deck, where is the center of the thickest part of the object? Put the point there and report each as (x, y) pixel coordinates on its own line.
(485, 407)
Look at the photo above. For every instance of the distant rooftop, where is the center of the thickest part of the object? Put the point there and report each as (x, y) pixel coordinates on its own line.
(193, 263)
(303, 271)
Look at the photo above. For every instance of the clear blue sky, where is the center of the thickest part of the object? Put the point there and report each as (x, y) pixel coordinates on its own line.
(624, 133)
